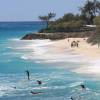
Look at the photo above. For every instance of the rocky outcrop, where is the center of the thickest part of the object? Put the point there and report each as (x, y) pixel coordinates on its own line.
(56, 36)
(51, 36)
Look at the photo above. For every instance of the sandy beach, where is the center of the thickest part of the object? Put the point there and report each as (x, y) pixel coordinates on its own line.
(60, 51)
(90, 53)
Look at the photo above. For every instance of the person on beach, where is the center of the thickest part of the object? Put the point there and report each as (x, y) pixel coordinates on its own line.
(77, 44)
(39, 82)
(68, 39)
(73, 44)
(28, 74)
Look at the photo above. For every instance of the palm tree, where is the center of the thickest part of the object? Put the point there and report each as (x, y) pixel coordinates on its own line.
(47, 18)
(90, 10)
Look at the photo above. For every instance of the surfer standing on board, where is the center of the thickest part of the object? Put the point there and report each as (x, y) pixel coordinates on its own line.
(28, 74)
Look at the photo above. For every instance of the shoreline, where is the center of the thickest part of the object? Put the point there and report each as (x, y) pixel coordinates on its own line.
(84, 53)
(48, 51)
(91, 54)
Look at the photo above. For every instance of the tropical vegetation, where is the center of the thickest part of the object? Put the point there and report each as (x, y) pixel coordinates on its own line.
(95, 37)
(73, 22)
(47, 18)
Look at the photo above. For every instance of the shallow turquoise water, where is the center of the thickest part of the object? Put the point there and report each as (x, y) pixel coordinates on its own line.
(58, 83)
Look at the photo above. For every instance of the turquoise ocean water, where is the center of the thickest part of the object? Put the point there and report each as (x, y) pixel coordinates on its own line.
(58, 83)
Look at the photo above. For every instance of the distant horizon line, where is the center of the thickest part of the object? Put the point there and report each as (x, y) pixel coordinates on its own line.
(24, 21)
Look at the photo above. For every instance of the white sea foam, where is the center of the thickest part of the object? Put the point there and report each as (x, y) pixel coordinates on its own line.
(94, 67)
(42, 56)
(38, 50)
(76, 84)
(24, 57)
(14, 39)
(5, 88)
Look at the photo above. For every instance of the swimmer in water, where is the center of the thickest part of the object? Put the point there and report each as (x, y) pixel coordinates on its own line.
(35, 92)
(39, 82)
(28, 74)
(14, 87)
(83, 87)
(71, 98)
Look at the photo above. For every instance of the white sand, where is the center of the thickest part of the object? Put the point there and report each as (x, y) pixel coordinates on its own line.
(91, 54)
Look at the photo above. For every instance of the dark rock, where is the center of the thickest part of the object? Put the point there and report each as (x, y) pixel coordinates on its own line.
(51, 36)
(56, 36)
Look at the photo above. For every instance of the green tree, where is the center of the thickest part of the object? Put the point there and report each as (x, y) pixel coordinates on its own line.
(68, 17)
(90, 10)
(97, 21)
(95, 37)
(47, 18)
